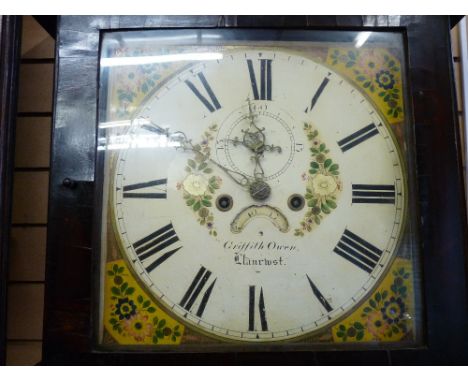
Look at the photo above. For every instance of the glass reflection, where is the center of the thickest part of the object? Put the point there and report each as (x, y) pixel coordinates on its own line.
(144, 60)
(361, 38)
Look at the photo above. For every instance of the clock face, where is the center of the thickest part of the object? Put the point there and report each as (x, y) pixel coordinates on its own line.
(261, 196)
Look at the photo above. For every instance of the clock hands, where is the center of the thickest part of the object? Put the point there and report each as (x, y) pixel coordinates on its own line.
(255, 189)
(258, 189)
(186, 144)
(253, 139)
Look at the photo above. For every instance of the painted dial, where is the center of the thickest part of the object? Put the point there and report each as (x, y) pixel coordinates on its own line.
(248, 270)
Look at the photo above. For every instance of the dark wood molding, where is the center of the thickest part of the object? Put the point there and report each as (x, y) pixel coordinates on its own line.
(440, 192)
(49, 23)
(10, 31)
(455, 19)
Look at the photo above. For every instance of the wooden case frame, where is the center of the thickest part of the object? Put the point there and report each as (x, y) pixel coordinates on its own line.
(70, 284)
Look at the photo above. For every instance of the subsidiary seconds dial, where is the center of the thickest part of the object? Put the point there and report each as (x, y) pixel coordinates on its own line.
(279, 147)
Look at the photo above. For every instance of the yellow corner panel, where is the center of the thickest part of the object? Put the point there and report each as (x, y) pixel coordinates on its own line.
(377, 72)
(387, 316)
(130, 315)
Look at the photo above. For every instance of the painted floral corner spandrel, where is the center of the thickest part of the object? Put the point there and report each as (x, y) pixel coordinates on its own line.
(130, 315)
(377, 72)
(132, 83)
(387, 315)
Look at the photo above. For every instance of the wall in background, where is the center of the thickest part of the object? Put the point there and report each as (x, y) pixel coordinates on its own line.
(30, 195)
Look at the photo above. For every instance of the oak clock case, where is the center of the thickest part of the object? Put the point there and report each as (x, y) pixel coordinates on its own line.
(255, 192)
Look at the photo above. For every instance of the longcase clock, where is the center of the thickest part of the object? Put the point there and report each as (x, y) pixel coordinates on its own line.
(233, 191)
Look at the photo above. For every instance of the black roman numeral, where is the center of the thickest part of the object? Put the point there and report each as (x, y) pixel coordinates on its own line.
(374, 193)
(211, 106)
(319, 295)
(317, 95)
(358, 137)
(146, 195)
(195, 290)
(265, 79)
(261, 308)
(358, 251)
(154, 243)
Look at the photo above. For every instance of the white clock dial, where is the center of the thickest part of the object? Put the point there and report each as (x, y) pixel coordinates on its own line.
(225, 255)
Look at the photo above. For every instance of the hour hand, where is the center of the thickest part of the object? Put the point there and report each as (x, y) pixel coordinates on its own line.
(254, 141)
(253, 146)
(186, 144)
(235, 142)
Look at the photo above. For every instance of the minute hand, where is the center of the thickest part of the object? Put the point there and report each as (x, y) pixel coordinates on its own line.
(186, 144)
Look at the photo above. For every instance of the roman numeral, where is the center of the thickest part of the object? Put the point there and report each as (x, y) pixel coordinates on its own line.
(319, 295)
(146, 195)
(317, 95)
(358, 251)
(265, 79)
(261, 309)
(374, 193)
(195, 289)
(358, 137)
(155, 243)
(211, 106)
